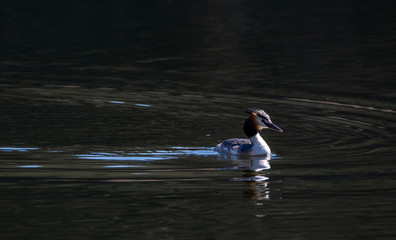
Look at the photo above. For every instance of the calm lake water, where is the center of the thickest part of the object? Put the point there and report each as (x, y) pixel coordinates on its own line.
(110, 112)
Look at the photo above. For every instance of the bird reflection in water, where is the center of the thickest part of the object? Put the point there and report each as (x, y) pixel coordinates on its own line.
(255, 169)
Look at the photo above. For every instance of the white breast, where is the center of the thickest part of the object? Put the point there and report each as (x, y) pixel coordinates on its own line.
(260, 147)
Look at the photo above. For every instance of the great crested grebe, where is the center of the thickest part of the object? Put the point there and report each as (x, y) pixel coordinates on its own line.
(255, 145)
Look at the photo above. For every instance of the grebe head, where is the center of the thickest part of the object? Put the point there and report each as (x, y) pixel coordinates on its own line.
(257, 121)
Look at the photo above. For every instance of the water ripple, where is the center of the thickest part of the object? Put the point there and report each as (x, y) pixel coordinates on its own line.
(174, 152)
(17, 149)
(343, 105)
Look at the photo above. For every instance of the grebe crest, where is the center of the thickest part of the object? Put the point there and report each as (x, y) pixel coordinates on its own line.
(255, 145)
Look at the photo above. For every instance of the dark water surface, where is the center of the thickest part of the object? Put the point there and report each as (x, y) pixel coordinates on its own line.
(110, 112)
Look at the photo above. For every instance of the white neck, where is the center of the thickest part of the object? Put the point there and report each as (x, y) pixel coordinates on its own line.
(260, 147)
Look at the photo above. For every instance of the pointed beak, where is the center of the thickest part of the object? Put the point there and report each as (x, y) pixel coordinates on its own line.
(274, 127)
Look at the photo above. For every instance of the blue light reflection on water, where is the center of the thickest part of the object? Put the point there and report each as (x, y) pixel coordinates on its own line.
(116, 102)
(30, 166)
(142, 105)
(20, 149)
(144, 165)
(149, 155)
(119, 158)
(122, 166)
(258, 163)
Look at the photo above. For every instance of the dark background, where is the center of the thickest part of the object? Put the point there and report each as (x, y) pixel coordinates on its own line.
(109, 112)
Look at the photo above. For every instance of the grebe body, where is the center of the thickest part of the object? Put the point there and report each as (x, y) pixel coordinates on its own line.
(255, 145)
